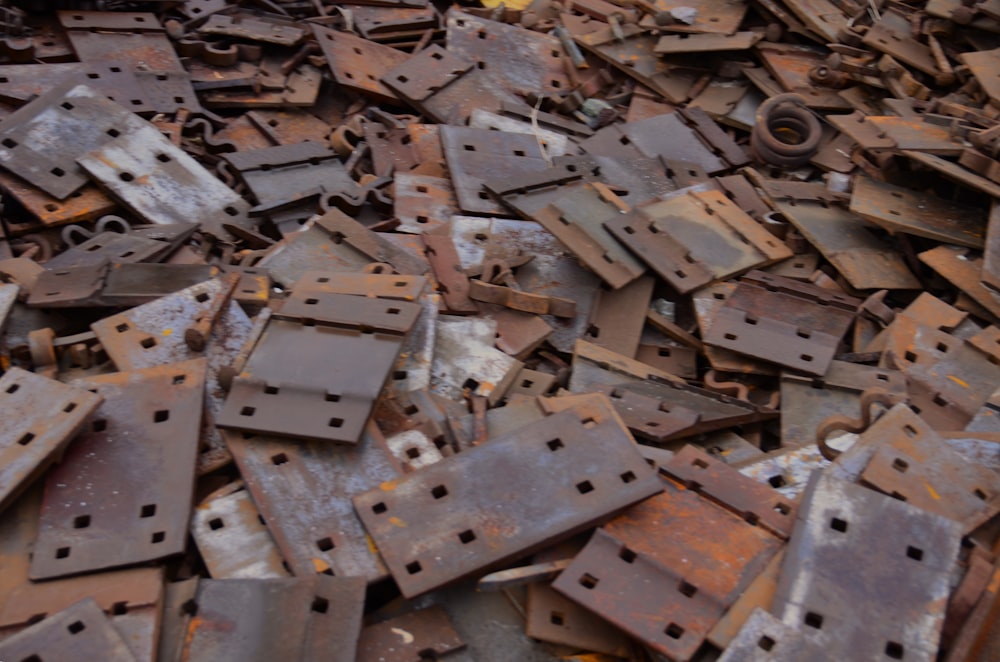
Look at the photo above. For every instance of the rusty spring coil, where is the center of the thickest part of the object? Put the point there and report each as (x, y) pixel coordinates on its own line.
(786, 132)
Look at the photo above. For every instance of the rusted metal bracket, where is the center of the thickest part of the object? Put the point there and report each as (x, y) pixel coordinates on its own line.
(528, 302)
(452, 527)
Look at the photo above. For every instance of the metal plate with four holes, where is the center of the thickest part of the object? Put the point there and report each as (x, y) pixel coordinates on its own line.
(303, 490)
(867, 575)
(40, 417)
(505, 499)
(123, 494)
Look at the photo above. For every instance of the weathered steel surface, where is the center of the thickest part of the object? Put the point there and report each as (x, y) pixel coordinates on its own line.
(123, 492)
(504, 499)
(78, 631)
(411, 637)
(667, 569)
(865, 573)
(41, 416)
(304, 489)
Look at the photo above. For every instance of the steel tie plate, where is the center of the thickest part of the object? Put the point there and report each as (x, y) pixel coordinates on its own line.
(505, 499)
(41, 417)
(81, 631)
(123, 493)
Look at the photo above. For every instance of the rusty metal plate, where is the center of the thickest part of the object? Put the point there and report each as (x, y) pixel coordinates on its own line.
(892, 600)
(131, 597)
(523, 61)
(948, 378)
(422, 203)
(412, 637)
(954, 172)
(553, 618)
(383, 286)
(163, 184)
(555, 477)
(359, 64)
(706, 42)
(465, 360)
(41, 417)
(290, 172)
(81, 630)
(963, 269)
(85, 204)
(311, 618)
(577, 220)
(618, 317)
(864, 260)
(244, 25)
(41, 140)
(376, 247)
(912, 463)
(304, 489)
(695, 238)
(355, 339)
(233, 540)
(893, 35)
(667, 569)
(796, 325)
(452, 282)
(133, 37)
(153, 334)
(807, 401)
(474, 155)
(983, 65)
(755, 502)
(898, 209)
(123, 493)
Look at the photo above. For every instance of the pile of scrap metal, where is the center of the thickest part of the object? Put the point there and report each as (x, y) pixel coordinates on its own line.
(592, 330)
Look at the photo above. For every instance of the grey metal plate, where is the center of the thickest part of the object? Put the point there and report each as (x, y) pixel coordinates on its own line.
(866, 573)
(304, 488)
(40, 417)
(506, 498)
(123, 493)
(163, 184)
(233, 540)
(41, 141)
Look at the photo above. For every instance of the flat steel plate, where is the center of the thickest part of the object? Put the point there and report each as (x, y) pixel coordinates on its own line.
(303, 490)
(41, 140)
(255, 620)
(78, 632)
(506, 498)
(162, 183)
(122, 494)
(41, 416)
(233, 540)
(865, 573)
(666, 570)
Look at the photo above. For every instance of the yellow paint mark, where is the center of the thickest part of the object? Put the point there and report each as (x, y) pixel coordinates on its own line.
(389, 485)
(933, 493)
(371, 545)
(395, 521)
(167, 332)
(320, 565)
(958, 381)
